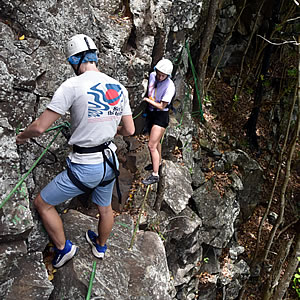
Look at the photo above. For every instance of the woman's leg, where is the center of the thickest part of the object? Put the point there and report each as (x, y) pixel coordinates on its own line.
(155, 147)
(159, 150)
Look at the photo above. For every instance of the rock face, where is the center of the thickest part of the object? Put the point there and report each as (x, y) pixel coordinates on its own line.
(137, 273)
(26, 272)
(185, 210)
(251, 179)
(178, 198)
(217, 213)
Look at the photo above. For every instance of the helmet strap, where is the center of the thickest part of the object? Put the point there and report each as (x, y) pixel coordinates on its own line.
(79, 64)
(87, 42)
(82, 56)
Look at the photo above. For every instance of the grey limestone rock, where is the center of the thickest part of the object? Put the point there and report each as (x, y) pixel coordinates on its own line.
(137, 273)
(28, 278)
(175, 190)
(217, 213)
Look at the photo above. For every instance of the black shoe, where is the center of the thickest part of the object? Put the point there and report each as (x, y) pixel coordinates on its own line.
(150, 167)
(151, 179)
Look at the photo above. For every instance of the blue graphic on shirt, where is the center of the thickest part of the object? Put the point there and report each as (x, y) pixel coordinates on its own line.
(112, 97)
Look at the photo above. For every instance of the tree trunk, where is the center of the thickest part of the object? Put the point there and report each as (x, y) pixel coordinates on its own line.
(236, 90)
(290, 270)
(205, 41)
(288, 168)
(274, 276)
(250, 125)
(225, 45)
(282, 283)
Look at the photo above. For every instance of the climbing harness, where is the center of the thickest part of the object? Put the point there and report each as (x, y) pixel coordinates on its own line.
(101, 148)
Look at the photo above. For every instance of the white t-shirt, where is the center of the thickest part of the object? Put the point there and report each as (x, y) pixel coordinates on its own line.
(97, 103)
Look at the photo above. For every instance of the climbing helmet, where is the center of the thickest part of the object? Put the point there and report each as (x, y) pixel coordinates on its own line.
(80, 43)
(164, 66)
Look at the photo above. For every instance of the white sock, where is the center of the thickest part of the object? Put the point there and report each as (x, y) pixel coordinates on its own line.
(154, 174)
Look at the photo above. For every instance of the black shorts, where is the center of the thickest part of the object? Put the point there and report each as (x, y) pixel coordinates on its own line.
(160, 118)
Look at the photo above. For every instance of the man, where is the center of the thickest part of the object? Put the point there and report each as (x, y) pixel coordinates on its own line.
(161, 91)
(97, 104)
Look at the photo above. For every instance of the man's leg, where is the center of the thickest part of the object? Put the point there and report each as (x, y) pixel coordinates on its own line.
(51, 221)
(102, 196)
(105, 224)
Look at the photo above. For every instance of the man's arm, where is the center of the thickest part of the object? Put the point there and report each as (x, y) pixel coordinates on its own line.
(39, 126)
(127, 127)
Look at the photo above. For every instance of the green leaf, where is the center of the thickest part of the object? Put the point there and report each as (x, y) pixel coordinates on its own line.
(18, 128)
(292, 73)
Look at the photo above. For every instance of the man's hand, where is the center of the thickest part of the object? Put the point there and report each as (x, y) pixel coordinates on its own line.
(20, 140)
(39, 126)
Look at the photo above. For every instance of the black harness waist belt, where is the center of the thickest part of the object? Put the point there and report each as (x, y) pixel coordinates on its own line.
(94, 149)
(101, 148)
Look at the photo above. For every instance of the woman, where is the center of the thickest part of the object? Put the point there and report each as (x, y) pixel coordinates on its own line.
(161, 90)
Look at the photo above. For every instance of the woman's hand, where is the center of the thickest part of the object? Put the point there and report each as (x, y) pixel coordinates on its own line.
(159, 105)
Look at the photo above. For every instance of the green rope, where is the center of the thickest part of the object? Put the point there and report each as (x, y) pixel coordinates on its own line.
(65, 124)
(178, 59)
(138, 114)
(32, 167)
(195, 80)
(88, 296)
(139, 218)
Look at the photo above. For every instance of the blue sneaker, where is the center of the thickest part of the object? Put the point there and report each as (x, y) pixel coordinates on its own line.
(97, 250)
(64, 255)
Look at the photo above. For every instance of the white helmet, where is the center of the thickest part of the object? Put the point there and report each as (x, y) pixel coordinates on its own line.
(165, 66)
(79, 43)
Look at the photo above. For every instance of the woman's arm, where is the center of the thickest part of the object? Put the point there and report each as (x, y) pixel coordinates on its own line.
(160, 105)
